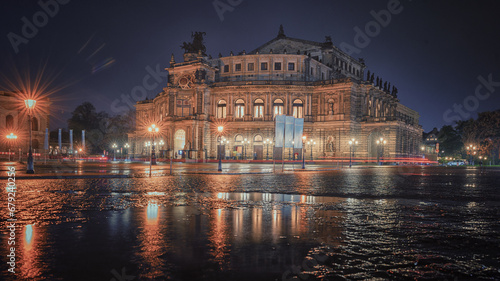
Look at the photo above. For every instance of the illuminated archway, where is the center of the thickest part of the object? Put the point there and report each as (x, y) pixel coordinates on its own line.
(179, 142)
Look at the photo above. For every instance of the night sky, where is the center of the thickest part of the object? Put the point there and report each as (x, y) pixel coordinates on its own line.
(433, 51)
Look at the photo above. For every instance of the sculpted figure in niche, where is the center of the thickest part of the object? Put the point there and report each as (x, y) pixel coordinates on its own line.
(330, 147)
(330, 107)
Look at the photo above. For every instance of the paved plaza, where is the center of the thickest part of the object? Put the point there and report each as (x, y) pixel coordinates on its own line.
(110, 221)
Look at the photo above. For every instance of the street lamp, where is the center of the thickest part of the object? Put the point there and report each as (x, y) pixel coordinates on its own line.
(303, 158)
(289, 152)
(126, 147)
(153, 130)
(220, 129)
(471, 151)
(114, 146)
(11, 138)
(311, 144)
(380, 146)
(161, 143)
(30, 105)
(267, 142)
(352, 143)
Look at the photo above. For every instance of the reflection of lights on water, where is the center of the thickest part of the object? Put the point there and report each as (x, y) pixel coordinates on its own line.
(155, 193)
(152, 211)
(219, 212)
(266, 197)
(244, 196)
(28, 233)
(223, 195)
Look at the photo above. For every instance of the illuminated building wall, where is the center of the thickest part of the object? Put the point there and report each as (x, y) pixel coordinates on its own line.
(244, 92)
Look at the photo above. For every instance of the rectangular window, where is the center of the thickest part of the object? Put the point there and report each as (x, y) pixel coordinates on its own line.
(297, 111)
(263, 66)
(240, 111)
(221, 111)
(226, 68)
(278, 110)
(312, 71)
(277, 66)
(250, 66)
(259, 111)
(291, 66)
(238, 67)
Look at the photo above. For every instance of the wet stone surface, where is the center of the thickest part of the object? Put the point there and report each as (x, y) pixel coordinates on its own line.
(396, 223)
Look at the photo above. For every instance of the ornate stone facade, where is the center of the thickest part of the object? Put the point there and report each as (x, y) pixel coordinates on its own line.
(311, 80)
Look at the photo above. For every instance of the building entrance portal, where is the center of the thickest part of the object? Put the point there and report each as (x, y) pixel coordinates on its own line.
(179, 143)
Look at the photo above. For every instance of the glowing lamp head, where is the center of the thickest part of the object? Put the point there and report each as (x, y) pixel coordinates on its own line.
(30, 104)
(220, 129)
(350, 142)
(304, 138)
(11, 136)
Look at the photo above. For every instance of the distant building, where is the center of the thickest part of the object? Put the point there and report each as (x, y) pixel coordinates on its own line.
(306, 79)
(14, 122)
(430, 144)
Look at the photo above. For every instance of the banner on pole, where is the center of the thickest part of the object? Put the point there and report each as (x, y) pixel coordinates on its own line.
(289, 124)
(71, 140)
(297, 133)
(46, 140)
(83, 140)
(279, 130)
(59, 140)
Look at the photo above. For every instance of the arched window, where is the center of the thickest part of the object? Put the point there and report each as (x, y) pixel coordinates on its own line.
(257, 138)
(34, 124)
(240, 108)
(9, 122)
(258, 106)
(221, 109)
(298, 108)
(277, 107)
(238, 139)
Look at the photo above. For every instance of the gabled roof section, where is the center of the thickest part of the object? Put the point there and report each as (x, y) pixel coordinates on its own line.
(281, 43)
(291, 45)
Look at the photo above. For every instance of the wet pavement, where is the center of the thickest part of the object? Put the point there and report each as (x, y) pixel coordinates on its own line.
(378, 223)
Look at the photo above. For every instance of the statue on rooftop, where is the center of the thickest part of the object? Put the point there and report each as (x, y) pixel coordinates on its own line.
(197, 45)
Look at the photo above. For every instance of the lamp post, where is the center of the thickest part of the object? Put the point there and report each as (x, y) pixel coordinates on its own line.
(127, 147)
(380, 146)
(161, 143)
(471, 151)
(303, 156)
(267, 142)
(10, 139)
(311, 143)
(290, 152)
(352, 143)
(153, 130)
(220, 129)
(114, 146)
(30, 105)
